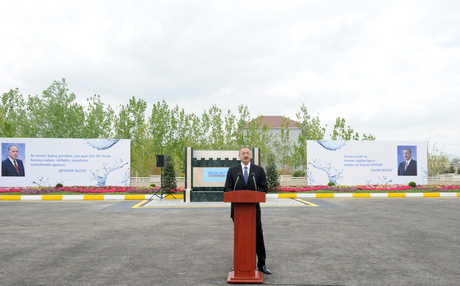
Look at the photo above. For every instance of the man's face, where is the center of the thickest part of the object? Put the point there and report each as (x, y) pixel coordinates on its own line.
(406, 154)
(13, 153)
(245, 156)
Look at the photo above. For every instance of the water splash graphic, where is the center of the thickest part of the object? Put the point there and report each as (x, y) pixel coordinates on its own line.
(424, 176)
(41, 182)
(126, 179)
(100, 175)
(384, 180)
(331, 145)
(332, 173)
(102, 144)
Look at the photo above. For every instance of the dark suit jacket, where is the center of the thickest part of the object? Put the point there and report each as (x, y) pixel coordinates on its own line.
(8, 168)
(259, 175)
(411, 169)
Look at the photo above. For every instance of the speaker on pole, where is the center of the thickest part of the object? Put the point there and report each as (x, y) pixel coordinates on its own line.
(160, 161)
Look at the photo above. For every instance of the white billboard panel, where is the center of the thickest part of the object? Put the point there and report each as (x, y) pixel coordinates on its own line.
(72, 162)
(366, 162)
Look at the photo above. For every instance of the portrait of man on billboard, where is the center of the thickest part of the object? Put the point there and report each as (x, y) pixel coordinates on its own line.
(12, 166)
(407, 160)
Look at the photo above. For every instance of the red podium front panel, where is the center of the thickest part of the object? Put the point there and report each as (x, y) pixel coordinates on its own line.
(244, 251)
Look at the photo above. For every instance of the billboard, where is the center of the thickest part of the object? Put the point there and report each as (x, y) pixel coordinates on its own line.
(366, 162)
(72, 162)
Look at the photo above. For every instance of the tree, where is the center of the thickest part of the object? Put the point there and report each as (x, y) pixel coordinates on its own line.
(55, 114)
(130, 124)
(310, 129)
(272, 173)
(98, 119)
(342, 133)
(12, 114)
(230, 131)
(168, 177)
(284, 147)
(171, 131)
(436, 158)
(213, 128)
(131, 119)
(251, 133)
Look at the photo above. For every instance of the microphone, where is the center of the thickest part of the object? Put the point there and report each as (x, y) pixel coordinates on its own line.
(254, 178)
(237, 178)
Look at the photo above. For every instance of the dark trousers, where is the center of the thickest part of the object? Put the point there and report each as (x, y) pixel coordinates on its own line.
(260, 245)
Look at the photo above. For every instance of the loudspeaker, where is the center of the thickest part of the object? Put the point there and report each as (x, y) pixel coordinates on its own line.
(160, 161)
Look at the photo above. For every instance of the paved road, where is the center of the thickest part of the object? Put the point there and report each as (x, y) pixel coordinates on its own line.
(337, 242)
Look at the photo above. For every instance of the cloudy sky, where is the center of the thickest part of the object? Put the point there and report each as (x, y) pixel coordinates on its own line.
(390, 68)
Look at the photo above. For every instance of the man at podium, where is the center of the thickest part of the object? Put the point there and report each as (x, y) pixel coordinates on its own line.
(247, 176)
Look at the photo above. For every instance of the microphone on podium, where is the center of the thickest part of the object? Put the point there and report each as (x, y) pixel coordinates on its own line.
(237, 178)
(254, 178)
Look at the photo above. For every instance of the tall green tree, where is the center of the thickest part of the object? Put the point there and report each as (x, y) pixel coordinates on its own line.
(12, 114)
(310, 128)
(341, 132)
(251, 132)
(55, 114)
(230, 131)
(159, 125)
(213, 127)
(284, 147)
(130, 124)
(436, 158)
(98, 119)
(130, 119)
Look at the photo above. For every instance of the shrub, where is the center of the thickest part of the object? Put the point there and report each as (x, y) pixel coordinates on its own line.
(331, 184)
(59, 185)
(272, 174)
(168, 178)
(412, 184)
(153, 185)
(299, 174)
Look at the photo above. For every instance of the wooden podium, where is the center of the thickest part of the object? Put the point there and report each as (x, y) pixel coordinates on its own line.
(244, 249)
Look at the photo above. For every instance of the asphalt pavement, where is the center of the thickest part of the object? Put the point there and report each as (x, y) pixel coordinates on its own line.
(391, 241)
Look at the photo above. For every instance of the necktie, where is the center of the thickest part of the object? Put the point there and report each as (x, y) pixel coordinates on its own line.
(16, 166)
(407, 164)
(246, 175)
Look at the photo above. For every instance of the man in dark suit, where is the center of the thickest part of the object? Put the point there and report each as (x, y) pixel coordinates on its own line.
(409, 166)
(11, 166)
(247, 173)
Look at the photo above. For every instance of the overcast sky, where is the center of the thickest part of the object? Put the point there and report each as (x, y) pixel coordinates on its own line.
(390, 68)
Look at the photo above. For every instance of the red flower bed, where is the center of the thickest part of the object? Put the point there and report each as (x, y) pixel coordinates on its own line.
(150, 190)
(86, 190)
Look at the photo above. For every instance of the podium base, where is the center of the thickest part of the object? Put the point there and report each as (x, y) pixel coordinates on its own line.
(249, 280)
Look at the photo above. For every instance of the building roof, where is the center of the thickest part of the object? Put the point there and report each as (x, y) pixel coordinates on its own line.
(274, 121)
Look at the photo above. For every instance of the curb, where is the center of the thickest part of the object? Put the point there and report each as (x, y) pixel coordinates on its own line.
(82, 197)
(269, 196)
(365, 195)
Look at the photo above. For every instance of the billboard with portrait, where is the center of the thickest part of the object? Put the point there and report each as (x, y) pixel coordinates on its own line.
(71, 162)
(366, 162)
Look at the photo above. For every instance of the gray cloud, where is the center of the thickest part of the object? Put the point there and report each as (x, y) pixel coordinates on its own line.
(389, 68)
